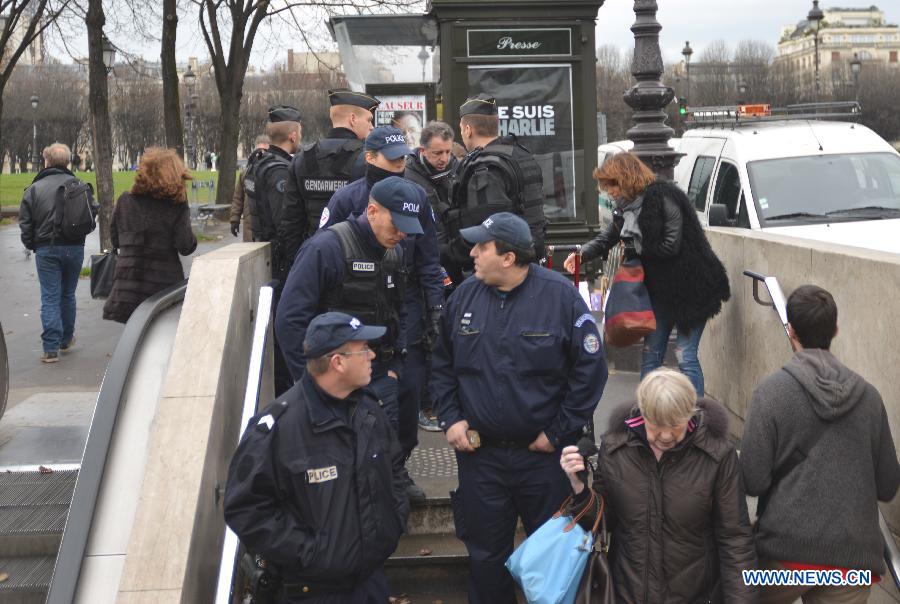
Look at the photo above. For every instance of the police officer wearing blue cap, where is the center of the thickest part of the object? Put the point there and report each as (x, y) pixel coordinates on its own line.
(355, 267)
(386, 154)
(315, 485)
(517, 374)
(323, 167)
(498, 173)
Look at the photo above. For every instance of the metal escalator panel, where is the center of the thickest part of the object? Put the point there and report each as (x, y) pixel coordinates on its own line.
(92, 552)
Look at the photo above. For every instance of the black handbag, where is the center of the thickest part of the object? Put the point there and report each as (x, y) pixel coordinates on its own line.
(596, 585)
(103, 273)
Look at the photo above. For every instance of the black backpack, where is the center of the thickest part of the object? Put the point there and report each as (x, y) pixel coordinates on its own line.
(76, 212)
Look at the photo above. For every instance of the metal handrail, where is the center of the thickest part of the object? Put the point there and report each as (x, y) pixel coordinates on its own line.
(231, 545)
(891, 552)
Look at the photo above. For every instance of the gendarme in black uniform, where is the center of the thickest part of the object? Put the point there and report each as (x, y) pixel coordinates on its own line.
(319, 170)
(265, 185)
(502, 176)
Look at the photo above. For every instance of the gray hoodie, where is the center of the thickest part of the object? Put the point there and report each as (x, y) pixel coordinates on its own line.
(825, 510)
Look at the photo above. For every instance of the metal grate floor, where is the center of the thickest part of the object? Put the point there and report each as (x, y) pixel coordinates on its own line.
(31, 502)
(439, 462)
(26, 574)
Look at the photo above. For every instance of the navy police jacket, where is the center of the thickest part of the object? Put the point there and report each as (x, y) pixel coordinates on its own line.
(519, 363)
(315, 487)
(420, 251)
(319, 268)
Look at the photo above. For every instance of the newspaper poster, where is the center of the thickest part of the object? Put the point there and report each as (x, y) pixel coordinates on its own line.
(406, 112)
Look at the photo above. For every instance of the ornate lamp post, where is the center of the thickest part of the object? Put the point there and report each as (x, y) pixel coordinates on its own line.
(35, 157)
(109, 53)
(742, 92)
(855, 67)
(649, 96)
(815, 16)
(686, 52)
(190, 79)
(423, 56)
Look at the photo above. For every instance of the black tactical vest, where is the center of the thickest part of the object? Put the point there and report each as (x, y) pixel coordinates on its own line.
(258, 165)
(520, 169)
(326, 167)
(372, 290)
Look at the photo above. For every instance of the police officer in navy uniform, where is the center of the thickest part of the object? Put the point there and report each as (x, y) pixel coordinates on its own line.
(323, 167)
(497, 175)
(315, 486)
(355, 267)
(386, 154)
(519, 361)
(265, 182)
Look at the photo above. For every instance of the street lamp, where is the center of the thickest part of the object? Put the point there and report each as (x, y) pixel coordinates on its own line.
(423, 56)
(190, 79)
(855, 67)
(35, 158)
(686, 52)
(815, 16)
(109, 53)
(742, 92)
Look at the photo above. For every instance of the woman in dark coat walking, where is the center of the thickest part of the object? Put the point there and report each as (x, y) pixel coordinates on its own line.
(151, 225)
(686, 281)
(674, 500)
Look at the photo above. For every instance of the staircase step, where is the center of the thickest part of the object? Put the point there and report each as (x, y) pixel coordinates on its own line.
(434, 516)
(33, 510)
(28, 579)
(445, 549)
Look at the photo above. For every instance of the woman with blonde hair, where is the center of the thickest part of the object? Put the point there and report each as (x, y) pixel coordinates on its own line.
(686, 281)
(675, 506)
(151, 225)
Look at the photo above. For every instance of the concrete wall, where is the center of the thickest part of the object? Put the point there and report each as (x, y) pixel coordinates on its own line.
(746, 341)
(173, 553)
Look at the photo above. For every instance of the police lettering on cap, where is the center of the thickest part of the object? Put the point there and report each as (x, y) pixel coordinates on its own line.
(481, 104)
(404, 200)
(503, 226)
(331, 330)
(283, 113)
(389, 141)
(357, 99)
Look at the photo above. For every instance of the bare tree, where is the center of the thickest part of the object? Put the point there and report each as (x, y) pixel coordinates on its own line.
(171, 102)
(613, 79)
(101, 130)
(137, 117)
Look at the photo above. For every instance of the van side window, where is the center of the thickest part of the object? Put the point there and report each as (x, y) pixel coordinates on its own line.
(728, 188)
(699, 183)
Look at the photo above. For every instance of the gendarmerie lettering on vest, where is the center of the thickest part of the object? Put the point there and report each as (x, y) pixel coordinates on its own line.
(320, 185)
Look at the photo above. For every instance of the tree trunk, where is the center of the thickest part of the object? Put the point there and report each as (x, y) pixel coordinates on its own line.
(101, 131)
(171, 103)
(228, 140)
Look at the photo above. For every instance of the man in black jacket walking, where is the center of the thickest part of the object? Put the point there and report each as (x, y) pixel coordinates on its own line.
(315, 486)
(58, 259)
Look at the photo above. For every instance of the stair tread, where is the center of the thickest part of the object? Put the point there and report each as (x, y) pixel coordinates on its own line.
(443, 547)
(28, 574)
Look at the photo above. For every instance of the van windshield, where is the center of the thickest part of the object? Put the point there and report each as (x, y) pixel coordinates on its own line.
(850, 186)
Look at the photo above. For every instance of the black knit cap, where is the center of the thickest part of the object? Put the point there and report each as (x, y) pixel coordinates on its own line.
(283, 113)
(348, 97)
(480, 104)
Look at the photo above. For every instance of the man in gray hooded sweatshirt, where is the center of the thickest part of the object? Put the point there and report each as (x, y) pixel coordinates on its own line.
(817, 450)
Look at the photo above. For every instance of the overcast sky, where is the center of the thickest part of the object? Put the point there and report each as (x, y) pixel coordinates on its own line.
(700, 21)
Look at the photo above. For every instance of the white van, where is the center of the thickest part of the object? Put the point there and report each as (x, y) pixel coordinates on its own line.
(825, 180)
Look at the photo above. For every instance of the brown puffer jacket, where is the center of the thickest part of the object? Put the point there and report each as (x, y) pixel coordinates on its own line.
(149, 234)
(680, 533)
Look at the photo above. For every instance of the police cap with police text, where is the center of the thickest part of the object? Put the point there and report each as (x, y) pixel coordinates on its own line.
(480, 104)
(348, 97)
(283, 113)
(331, 330)
(389, 141)
(403, 199)
(503, 226)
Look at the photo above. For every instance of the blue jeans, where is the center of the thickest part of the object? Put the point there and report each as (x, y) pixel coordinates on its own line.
(686, 344)
(58, 268)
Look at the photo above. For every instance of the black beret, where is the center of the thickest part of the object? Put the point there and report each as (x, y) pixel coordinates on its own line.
(283, 113)
(348, 97)
(480, 104)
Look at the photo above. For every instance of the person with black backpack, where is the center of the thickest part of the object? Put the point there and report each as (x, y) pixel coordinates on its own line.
(56, 214)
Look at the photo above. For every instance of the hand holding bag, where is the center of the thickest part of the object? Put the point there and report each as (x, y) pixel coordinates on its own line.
(628, 316)
(549, 564)
(596, 585)
(103, 273)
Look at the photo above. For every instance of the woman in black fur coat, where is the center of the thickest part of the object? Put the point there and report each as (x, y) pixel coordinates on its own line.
(686, 281)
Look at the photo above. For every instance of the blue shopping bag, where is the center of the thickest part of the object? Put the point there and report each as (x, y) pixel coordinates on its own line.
(548, 565)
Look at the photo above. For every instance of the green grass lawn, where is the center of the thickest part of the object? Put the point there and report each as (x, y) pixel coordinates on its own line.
(12, 185)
